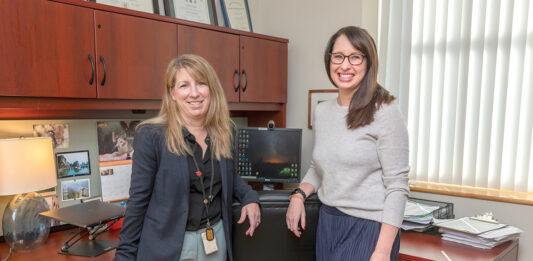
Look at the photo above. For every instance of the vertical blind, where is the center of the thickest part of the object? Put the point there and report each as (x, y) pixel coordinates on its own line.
(463, 74)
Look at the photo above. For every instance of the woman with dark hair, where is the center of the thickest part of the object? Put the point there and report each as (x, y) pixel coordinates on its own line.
(359, 166)
(183, 181)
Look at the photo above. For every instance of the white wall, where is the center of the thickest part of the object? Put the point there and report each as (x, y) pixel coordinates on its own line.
(308, 25)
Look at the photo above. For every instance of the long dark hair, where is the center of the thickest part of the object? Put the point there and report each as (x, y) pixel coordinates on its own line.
(370, 95)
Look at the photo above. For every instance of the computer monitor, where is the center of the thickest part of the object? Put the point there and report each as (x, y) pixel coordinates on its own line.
(269, 155)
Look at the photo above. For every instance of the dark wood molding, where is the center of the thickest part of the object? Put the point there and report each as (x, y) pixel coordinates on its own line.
(37, 103)
(255, 106)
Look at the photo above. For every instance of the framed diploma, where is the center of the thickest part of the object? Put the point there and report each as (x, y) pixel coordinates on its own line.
(201, 11)
(149, 6)
(237, 14)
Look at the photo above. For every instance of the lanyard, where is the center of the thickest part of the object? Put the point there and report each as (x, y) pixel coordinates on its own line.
(207, 200)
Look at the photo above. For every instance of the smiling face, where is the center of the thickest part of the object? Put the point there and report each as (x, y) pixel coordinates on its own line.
(347, 77)
(191, 96)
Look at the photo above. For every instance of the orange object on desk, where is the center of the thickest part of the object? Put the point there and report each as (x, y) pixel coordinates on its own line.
(115, 226)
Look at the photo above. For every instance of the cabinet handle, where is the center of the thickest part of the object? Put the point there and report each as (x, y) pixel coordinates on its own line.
(244, 76)
(237, 86)
(92, 67)
(105, 70)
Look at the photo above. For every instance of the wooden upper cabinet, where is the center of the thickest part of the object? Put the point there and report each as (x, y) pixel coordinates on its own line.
(221, 50)
(132, 55)
(45, 49)
(263, 70)
(76, 49)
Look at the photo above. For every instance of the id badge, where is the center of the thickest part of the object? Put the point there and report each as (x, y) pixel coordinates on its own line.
(209, 241)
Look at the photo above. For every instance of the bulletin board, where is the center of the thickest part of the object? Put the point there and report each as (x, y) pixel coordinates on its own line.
(115, 177)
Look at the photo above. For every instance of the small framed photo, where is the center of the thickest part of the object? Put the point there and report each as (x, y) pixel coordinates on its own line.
(148, 6)
(316, 97)
(237, 14)
(73, 163)
(75, 189)
(201, 11)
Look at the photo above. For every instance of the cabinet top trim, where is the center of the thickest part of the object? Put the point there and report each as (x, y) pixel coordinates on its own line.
(168, 19)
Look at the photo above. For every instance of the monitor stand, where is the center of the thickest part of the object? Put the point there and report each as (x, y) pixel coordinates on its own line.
(93, 216)
(90, 248)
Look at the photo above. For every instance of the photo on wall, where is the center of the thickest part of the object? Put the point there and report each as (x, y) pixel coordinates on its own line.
(58, 132)
(74, 163)
(75, 189)
(53, 203)
(115, 140)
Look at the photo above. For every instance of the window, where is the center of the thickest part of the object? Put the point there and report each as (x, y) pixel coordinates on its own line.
(462, 71)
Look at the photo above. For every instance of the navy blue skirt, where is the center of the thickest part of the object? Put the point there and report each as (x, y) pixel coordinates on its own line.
(343, 237)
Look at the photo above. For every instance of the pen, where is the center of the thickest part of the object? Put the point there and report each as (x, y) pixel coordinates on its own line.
(445, 255)
(485, 220)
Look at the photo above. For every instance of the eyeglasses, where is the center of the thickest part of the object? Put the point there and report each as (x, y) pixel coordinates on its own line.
(353, 59)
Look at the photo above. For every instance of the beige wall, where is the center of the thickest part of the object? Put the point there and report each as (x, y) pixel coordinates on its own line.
(308, 25)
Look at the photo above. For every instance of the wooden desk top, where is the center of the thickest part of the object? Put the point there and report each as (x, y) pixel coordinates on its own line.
(414, 246)
(420, 246)
(49, 251)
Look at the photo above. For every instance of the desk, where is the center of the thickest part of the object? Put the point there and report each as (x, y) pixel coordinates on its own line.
(414, 246)
(420, 247)
(49, 251)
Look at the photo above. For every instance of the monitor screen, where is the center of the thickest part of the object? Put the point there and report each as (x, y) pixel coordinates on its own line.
(269, 155)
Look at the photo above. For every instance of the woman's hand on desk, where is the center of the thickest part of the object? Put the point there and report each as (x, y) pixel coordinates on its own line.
(254, 216)
(296, 214)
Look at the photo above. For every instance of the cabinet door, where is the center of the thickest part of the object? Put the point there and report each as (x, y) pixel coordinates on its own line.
(45, 49)
(263, 70)
(220, 49)
(133, 54)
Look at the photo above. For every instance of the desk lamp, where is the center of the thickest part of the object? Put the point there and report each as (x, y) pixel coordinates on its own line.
(26, 165)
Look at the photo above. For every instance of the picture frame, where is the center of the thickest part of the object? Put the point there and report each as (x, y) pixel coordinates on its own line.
(315, 97)
(200, 11)
(75, 189)
(237, 14)
(147, 6)
(73, 163)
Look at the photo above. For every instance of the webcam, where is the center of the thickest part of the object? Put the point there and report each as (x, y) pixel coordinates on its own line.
(271, 125)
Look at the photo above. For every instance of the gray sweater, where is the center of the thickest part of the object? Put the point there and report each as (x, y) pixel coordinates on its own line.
(361, 172)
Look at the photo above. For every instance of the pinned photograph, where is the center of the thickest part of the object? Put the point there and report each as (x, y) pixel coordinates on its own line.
(73, 163)
(75, 189)
(106, 172)
(115, 140)
(53, 203)
(58, 132)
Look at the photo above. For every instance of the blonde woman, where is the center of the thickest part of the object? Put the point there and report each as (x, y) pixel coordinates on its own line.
(183, 179)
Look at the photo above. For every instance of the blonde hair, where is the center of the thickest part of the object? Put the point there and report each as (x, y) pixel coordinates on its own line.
(217, 121)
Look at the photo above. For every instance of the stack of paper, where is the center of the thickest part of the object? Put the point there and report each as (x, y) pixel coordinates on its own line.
(417, 216)
(477, 233)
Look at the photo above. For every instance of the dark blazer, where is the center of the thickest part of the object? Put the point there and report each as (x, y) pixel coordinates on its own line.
(157, 210)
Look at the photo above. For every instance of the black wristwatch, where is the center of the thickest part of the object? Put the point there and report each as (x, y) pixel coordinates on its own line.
(299, 191)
